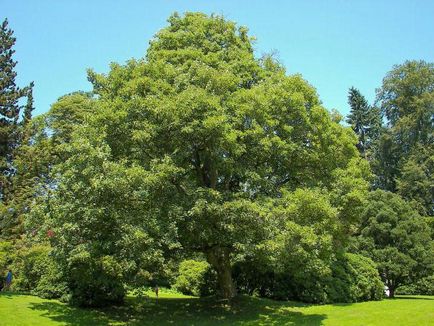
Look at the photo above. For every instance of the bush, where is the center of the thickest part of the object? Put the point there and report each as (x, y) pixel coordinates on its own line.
(350, 278)
(6, 258)
(424, 286)
(28, 267)
(36, 272)
(195, 278)
(354, 278)
(94, 281)
(6, 254)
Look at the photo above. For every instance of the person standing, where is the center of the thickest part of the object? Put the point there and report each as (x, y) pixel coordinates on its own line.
(8, 282)
(156, 290)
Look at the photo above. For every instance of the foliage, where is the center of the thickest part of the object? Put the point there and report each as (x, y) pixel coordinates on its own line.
(307, 241)
(94, 281)
(185, 149)
(347, 278)
(416, 182)
(36, 272)
(354, 279)
(12, 131)
(406, 99)
(300, 259)
(385, 163)
(348, 192)
(364, 120)
(195, 278)
(424, 285)
(397, 238)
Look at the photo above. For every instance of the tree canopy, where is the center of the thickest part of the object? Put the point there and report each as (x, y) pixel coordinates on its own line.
(14, 116)
(397, 238)
(185, 148)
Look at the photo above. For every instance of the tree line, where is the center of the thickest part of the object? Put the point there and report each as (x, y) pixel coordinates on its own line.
(204, 168)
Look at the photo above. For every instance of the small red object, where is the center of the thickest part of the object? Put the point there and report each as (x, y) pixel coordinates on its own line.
(50, 233)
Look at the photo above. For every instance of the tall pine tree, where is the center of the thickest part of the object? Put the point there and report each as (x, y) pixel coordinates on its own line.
(12, 124)
(364, 119)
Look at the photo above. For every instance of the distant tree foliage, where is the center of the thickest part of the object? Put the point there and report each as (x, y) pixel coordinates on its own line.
(397, 239)
(406, 99)
(14, 116)
(364, 119)
(416, 181)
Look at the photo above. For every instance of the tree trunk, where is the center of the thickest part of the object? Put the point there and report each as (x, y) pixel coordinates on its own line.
(391, 292)
(218, 257)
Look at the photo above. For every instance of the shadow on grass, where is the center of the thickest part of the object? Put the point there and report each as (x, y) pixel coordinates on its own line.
(405, 297)
(189, 311)
(69, 315)
(342, 304)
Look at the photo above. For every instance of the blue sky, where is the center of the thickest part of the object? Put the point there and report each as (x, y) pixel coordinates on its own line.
(333, 44)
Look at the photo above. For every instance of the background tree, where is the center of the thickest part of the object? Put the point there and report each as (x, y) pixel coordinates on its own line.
(44, 147)
(397, 239)
(416, 182)
(11, 128)
(364, 119)
(386, 162)
(406, 99)
(41, 149)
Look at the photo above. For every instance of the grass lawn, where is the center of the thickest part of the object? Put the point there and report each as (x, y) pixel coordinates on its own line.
(174, 309)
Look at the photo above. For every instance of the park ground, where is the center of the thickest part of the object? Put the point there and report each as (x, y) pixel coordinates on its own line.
(176, 309)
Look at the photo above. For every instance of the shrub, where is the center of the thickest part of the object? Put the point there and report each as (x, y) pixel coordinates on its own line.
(36, 272)
(94, 281)
(349, 278)
(354, 278)
(6, 258)
(195, 278)
(29, 266)
(424, 286)
(6, 254)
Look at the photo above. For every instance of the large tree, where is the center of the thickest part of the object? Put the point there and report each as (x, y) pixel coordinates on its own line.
(406, 99)
(397, 239)
(416, 181)
(12, 126)
(186, 148)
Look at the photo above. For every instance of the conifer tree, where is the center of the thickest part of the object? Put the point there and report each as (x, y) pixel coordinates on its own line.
(11, 123)
(364, 119)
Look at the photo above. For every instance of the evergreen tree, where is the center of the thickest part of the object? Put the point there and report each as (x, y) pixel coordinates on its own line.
(364, 119)
(11, 125)
(28, 109)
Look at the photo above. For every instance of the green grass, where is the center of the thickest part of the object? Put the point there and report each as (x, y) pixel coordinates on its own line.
(175, 309)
